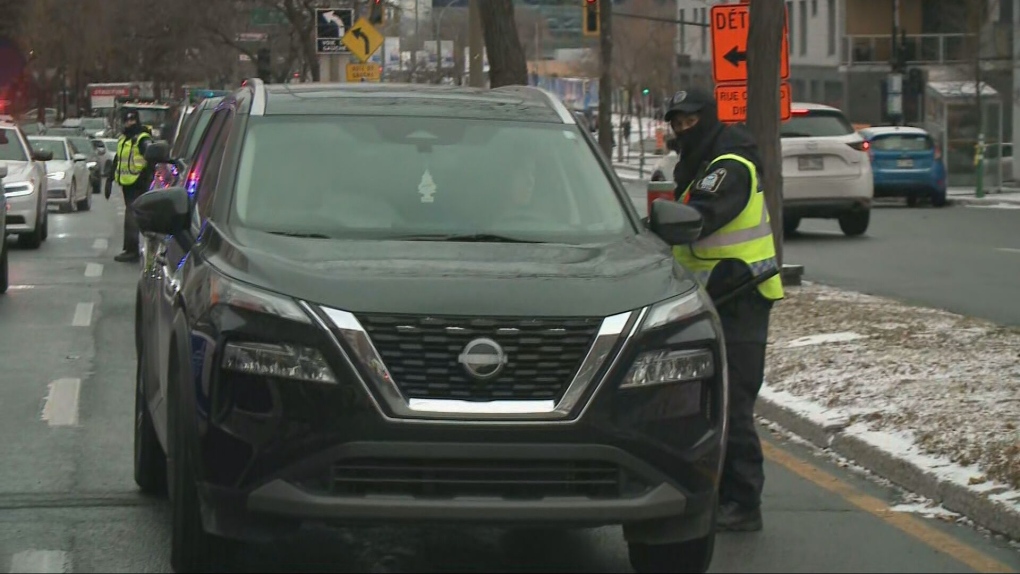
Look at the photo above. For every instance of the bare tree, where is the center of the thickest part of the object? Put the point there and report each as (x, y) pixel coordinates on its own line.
(507, 65)
(764, 49)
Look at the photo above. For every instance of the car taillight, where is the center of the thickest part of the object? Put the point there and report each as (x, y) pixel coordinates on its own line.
(799, 112)
(938, 152)
(860, 146)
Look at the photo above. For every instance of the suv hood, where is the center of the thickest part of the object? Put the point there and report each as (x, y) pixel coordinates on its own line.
(59, 165)
(448, 278)
(17, 171)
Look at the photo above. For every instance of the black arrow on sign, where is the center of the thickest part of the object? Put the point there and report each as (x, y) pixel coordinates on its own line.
(735, 56)
(359, 34)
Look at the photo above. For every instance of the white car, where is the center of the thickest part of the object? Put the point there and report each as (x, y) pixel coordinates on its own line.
(67, 173)
(25, 187)
(826, 170)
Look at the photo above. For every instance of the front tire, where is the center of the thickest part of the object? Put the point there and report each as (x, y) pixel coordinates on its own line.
(790, 225)
(150, 460)
(85, 204)
(4, 276)
(855, 223)
(939, 200)
(693, 556)
(192, 549)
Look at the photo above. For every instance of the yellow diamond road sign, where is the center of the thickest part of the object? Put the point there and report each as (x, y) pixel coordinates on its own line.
(362, 39)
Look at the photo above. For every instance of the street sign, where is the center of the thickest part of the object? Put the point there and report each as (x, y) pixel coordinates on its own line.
(363, 72)
(730, 24)
(732, 102)
(330, 26)
(252, 37)
(363, 39)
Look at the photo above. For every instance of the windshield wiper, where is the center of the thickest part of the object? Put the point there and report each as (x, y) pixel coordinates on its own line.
(300, 234)
(465, 237)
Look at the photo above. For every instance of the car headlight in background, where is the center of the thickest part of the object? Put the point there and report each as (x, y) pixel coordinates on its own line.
(57, 175)
(271, 360)
(18, 188)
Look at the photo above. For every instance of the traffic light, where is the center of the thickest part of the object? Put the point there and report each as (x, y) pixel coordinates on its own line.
(591, 17)
(264, 65)
(376, 10)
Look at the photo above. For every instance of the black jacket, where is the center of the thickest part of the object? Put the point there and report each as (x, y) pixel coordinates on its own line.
(148, 172)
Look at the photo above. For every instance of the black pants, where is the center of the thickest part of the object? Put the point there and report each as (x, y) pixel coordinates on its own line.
(131, 193)
(745, 325)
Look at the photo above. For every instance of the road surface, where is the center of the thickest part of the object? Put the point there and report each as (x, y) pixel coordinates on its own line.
(68, 502)
(964, 259)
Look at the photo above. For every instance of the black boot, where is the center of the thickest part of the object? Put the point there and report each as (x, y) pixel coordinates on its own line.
(127, 257)
(736, 518)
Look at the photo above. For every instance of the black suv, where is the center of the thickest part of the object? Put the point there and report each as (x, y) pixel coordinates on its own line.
(416, 303)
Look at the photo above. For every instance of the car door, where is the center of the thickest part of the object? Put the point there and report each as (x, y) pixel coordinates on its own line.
(201, 184)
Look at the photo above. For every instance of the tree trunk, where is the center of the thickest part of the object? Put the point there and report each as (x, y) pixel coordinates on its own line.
(606, 80)
(507, 65)
(764, 45)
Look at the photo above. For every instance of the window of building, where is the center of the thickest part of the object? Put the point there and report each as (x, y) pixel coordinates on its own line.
(831, 15)
(704, 31)
(803, 28)
(789, 22)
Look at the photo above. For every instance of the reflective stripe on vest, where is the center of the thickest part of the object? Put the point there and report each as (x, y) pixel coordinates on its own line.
(131, 161)
(747, 238)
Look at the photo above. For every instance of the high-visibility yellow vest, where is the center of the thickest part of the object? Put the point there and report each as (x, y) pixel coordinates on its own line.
(747, 238)
(131, 161)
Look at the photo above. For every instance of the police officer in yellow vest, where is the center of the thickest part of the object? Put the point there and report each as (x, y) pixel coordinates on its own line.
(133, 174)
(719, 174)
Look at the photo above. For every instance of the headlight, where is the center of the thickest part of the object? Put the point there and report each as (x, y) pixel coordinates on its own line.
(19, 188)
(57, 175)
(666, 366)
(91, 164)
(285, 361)
(676, 309)
(225, 291)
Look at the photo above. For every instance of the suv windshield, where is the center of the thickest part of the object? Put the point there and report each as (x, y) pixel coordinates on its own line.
(55, 146)
(398, 177)
(902, 142)
(10, 146)
(816, 124)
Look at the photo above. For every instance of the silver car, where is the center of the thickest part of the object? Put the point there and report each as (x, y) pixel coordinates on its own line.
(67, 173)
(25, 187)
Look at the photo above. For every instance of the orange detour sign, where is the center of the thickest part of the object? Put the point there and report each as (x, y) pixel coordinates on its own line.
(732, 102)
(730, 24)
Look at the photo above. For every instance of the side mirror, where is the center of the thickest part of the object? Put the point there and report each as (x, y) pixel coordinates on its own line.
(79, 157)
(163, 211)
(42, 155)
(158, 152)
(675, 223)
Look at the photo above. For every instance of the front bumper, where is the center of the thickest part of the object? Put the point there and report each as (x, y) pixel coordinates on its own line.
(22, 214)
(273, 455)
(58, 192)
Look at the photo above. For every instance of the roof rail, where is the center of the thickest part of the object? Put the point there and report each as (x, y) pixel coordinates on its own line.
(258, 92)
(557, 105)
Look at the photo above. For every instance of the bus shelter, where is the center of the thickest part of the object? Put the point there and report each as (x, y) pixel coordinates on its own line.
(951, 116)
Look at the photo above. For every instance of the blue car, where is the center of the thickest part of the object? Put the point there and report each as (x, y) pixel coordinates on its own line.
(906, 163)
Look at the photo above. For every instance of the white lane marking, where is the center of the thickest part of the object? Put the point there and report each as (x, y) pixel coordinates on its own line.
(93, 270)
(1008, 249)
(61, 408)
(21, 287)
(82, 315)
(100, 244)
(40, 561)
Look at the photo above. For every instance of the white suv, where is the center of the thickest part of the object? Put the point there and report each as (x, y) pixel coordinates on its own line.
(826, 170)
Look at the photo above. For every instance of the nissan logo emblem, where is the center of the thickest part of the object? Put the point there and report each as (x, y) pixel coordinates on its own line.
(483, 359)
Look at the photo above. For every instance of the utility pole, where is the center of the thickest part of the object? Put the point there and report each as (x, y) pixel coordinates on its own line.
(764, 51)
(605, 120)
(417, 39)
(476, 46)
(979, 149)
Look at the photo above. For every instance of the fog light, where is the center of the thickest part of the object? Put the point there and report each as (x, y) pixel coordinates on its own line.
(665, 366)
(284, 361)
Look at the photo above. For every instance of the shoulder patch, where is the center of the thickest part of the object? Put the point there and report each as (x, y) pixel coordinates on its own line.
(711, 182)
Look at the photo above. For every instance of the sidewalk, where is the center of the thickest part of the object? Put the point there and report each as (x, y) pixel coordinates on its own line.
(924, 398)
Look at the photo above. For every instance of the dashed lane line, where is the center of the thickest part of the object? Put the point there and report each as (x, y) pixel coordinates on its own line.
(101, 244)
(82, 315)
(61, 408)
(40, 561)
(93, 270)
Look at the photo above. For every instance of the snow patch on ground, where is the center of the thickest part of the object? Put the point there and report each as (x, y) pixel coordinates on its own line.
(934, 388)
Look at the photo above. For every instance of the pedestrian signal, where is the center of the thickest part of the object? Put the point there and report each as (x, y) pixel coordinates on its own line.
(376, 10)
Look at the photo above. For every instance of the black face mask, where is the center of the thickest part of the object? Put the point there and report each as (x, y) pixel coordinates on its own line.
(133, 130)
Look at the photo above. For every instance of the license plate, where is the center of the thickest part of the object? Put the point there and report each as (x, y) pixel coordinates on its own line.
(904, 163)
(811, 163)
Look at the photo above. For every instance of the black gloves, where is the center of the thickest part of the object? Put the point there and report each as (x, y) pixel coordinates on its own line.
(109, 187)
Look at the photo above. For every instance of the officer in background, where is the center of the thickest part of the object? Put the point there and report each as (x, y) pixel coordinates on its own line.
(134, 175)
(719, 174)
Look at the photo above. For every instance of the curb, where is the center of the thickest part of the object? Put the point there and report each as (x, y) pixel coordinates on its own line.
(989, 514)
(987, 200)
